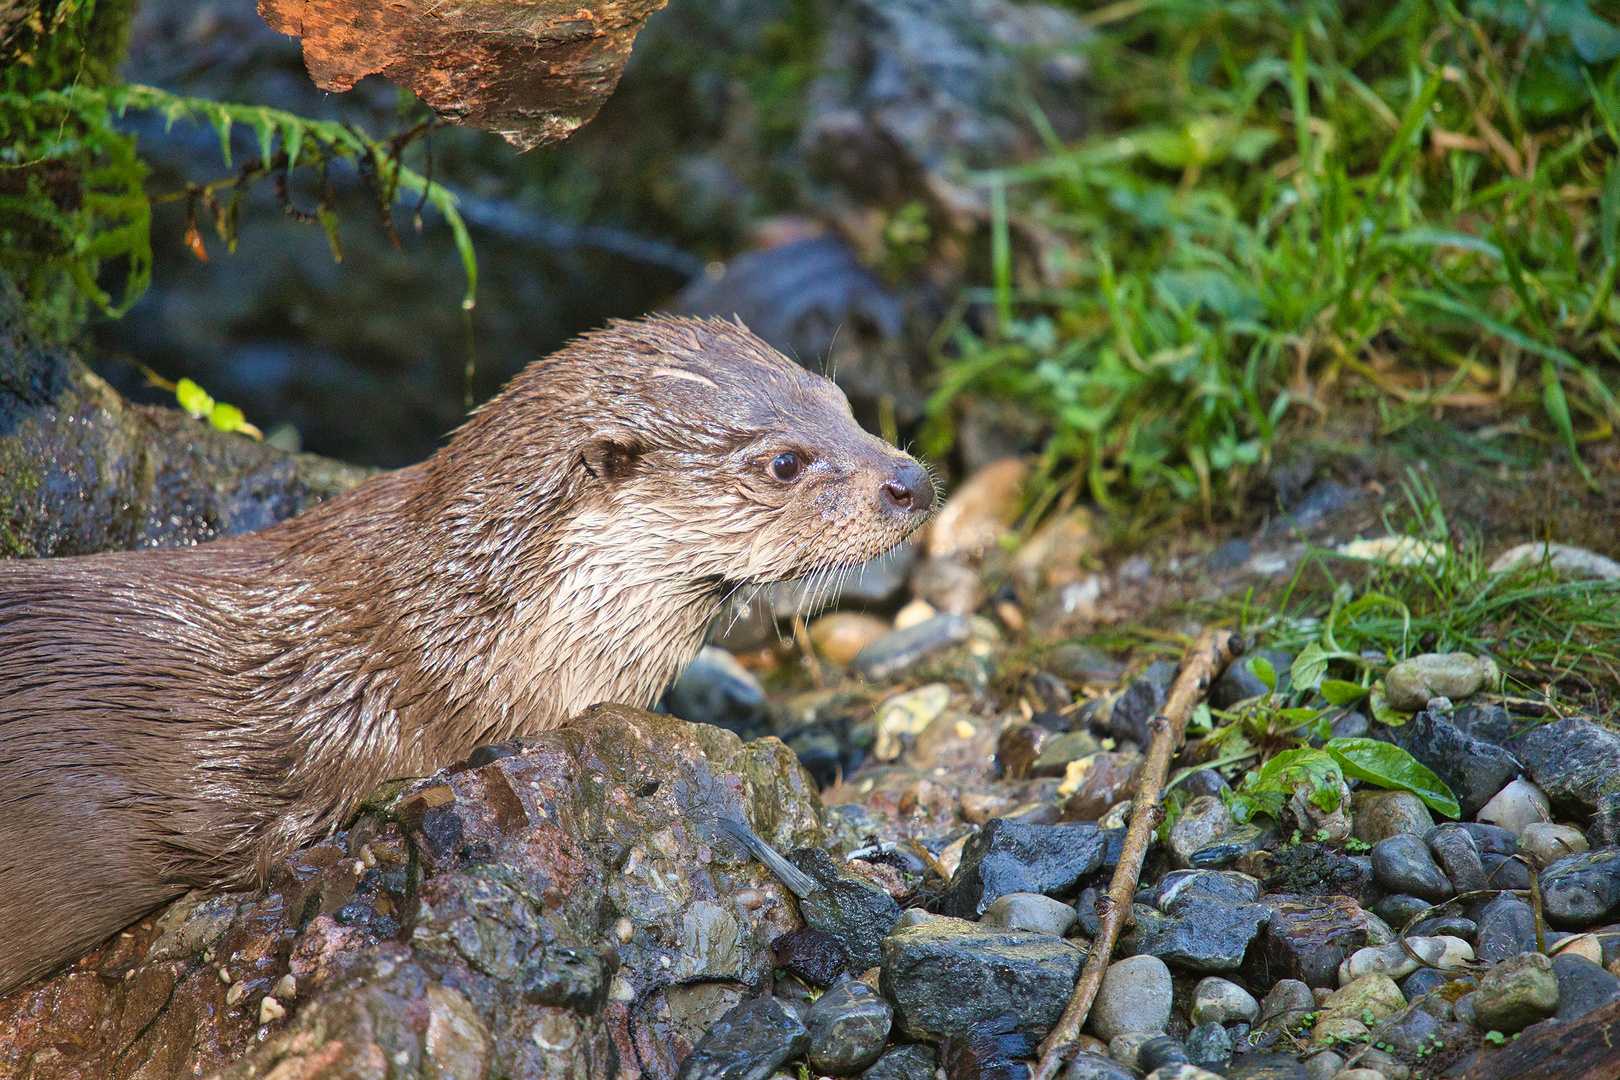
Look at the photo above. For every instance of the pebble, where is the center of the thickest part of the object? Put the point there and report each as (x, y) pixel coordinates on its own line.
(1124, 1048)
(907, 714)
(1394, 961)
(1359, 1074)
(1209, 1046)
(1582, 890)
(1010, 857)
(1240, 682)
(1324, 1066)
(1203, 821)
(1205, 934)
(1030, 911)
(1398, 909)
(1221, 1001)
(1414, 1032)
(1378, 815)
(1562, 558)
(1543, 842)
(1160, 1052)
(1422, 981)
(1472, 768)
(1507, 927)
(841, 636)
(948, 585)
(905, 1063)
(1403, 864)
(1411, 683)
(1587, 946)
(1515, 806)
(1141, 701)
(1204, 782)
(1454, 849)
(1308, 937)
(1096, 783)
(716, 689)
(1060, 750)
(1516, 993)
(848, 1027)
(979, 511)
(813, 955)
(1505, 872)
(747, 1043)
(1183, 1071)
(1582, 986)
(1286, 1005)
(1238, 841)
(852, 909)
(912, 613)
(1181, 886)
(899, 651)
(1446, 926)
(1575, 761)
(1091, 1066)
(1083, 664)
(1371, 998)
(1135, 995)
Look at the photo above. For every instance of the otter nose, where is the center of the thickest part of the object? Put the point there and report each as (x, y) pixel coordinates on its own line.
(909, 489)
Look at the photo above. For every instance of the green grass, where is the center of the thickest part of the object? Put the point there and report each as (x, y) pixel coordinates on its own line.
(1290, 206)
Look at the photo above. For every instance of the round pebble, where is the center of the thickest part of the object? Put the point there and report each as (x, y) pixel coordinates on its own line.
(1519, 804)
(1220, 1001)
(1516, 993)
(849, 1026)
(1134, 996)
(1380, 815)
(1030, 911)
(1543, 842)
(1089, 1066)
(1210, 1046)
(1403, 864)
(1160, 1051)
(1582, 890)
(1125, 1048)
(1203, 821)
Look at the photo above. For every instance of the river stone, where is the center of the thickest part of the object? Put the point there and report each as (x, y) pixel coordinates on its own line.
(1180, 886)
(1516, 993)
(1543, 842)
(852, 909)
(848, 1026)
(1308, 937)
(946, 975)
(1473, 769)
(899, 651)
(1515, 806)
(1221, 1001)
(1574, 761)
(1411, 683)
(748, 1043)
(1397, 963)
(1403, 864)
(1239, 681)
(1378, 815)
(1286, 1006)
(1204, 934)
(1134, 996)
(1507, 927)
(904, 1063)
(1454, 848)
(1209, 1046)
(1239, 840)
(1268, 1067)
(1087, 1065)
(1398, 909)
(1161, 1051)
(1203, 820)
(1583, 890)
(716, 689)
(1582, 986)
(1010, 856)
(1030, 911)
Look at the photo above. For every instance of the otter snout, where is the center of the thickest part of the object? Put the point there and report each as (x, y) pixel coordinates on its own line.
(908, 489)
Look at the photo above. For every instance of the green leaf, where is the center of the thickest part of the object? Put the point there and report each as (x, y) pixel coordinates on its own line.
(1264, 672)
(1557, 406)
(1318, 769)
(1339, 692)
(226, 417)
(193, 398)
(1309, 667)
(1388, 766)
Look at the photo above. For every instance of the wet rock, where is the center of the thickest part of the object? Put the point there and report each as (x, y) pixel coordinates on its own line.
(1161, 1052)
(1180, 886)
(1221, 1001)
(1249, 838)
(1403, 864)
(1315, 869)
(813, 955)
(1516, 993)
(715, 689)
(1124, 1048)
(1141, 701)
(841, 636)
(1202, 821)
(1458, 856)
(1008, 857)
(1228, 556)
(852, 909)
(899, 651)
(748, 1043)
(1474, 770)
(1286, 1006)
(1087, 1065)
(946, 975)
(1543, 842)
(1396, 962)
(1083, 664)
(1135, 995)
(1582, 890)
(1574, 761)
(1504, 872)
(1209, 1046)
(1267, 1067)
(1017, 748)
(1446, 926)
(1582, 986)
(1423, 981)
(906, 716)
(1030, 911)
(1204, 782)
(990, 1050)
(1307, 938)
(1204, 934)
(1398, 909)
(1097, 783)
(1239, 682)
(1062, 749)
(848, 1026)
(1369, 1000)
(1378, 815)
(1507, 927)
(1411, 683)
(1605, 828)
(903, 1063)
(1515, 806)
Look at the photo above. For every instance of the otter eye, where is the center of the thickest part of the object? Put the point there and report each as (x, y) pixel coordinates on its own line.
(786, 467)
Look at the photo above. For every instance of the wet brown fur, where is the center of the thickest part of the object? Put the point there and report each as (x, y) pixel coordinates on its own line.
(180, 719)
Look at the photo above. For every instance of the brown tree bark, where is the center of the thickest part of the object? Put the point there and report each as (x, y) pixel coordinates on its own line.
(532, 71)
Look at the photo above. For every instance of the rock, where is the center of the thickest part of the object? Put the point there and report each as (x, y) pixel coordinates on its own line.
(1203, 820)
(1204, 935)
(852, 909)
(1397, 963)
(947, 585)
(1053, 556)
(1411, 683)
(1398, 909)
(1209, 1046)
(1030, 911)
(906, 715)
(1239, 682)
(715, 689)
(1096, 783)
(1583, 1049)
(1079, 663)
(1582, 986)
(946, 975)
(1183, 1071)
(1268, 1067)
(912, 613)
(1228, 556)
(1605, 828)
(1575, 761)
(1423, 981)
(979, 511)
(1543, 842)
(1473, 769)
(1316, 869)
(848, 1026)
(1582, 890)
(1008, 856)
(1126, 1048)
(1204, 782)
(899, 651)
(1091, 1066)
(1286, 1006)
(1516, 993)
(1220, 1001)
(1308, 937)
(1503, 872)
(1415, 1034)
(1516, 806)
(1446, 926)
(1507, 927)
(1249, 838)
(1378, 815)
(1588, 946)
(1134, 996)
(1562, 558)
(1180, 886)
(1355, 1007)
(812, 955)
(1017, 749)
(839, 637)
(903, 1063)
(1403, 864)
(748, 1043)
(1459, 857)
(1141, 701)
(1160, 1052)
(1062, 749)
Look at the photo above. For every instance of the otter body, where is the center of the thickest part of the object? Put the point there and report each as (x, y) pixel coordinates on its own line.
(180, 719)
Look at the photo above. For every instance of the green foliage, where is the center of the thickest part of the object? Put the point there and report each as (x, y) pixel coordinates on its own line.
(197, 401)
(1287, 203)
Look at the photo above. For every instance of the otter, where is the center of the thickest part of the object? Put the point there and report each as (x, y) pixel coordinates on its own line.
(180, 719)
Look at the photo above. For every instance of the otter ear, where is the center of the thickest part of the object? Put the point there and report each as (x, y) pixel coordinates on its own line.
(610, 459)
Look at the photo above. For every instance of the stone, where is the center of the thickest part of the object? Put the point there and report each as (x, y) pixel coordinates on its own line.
(1505, 872)
(1239, 682)
(1378, 815)
(1062, 749)
(1018, 747)
(899, 651)
(1009, 856)
(1240, 840)
(1209, 1046)
(852, 909)
(1413, 1034)
(1126, 1048)
(1053, 556)
(1398, 909)
(1560, 558)
(1204, 782)
(1183, 1071)
(1394, 960)
(1160, 1052)
(1135, 995)
(948, 585)
(1454, 849)
(906, 716)
(841, 636)
(1221, 1001)
(1202, 821)
(1308, 937)
(1507, 927)
(716, 689)
(979, 511)
(904, 1063)
(1082, 664)
(1582, 986)
(1132, 713)
(1410, 684)
(1285, 1007)
(1515, 806)
(1087, 1065)
(1587, 946)
(1579, 891)
(946, 975)
(1324, 1066)
(1574, 761)
(1446, 926)
(1030, 911)
(848, 1027)
(1351, 1011)
(1472, 768)
(1516, 993)
(1544, 842)
(1180, 886)
(1267, 1067)
(1098, 782)
(815, 956)
(748, 1043)
(1204, 934)
(1403, 864)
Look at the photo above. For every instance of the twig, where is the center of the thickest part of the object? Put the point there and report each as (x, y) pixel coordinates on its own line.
(1201, 664)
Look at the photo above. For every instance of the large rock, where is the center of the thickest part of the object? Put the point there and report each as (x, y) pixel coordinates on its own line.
(1472, 768)
(1012, 857)
(558, 884)
(1575, 762)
